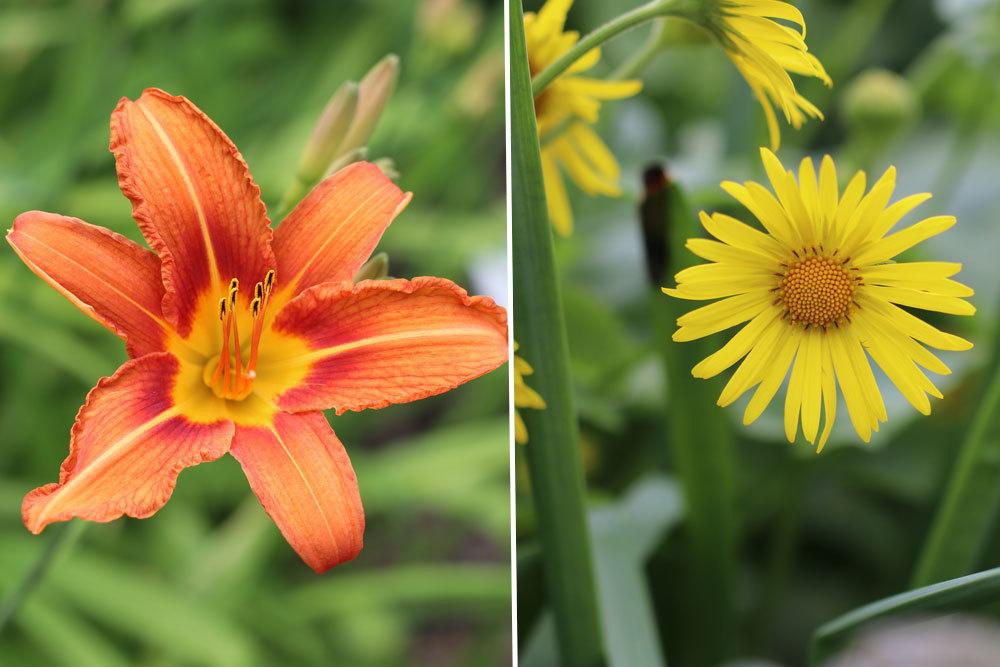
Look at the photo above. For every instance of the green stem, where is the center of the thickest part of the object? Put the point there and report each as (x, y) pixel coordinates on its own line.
(614, 27)
(553, 454)
(639, 60)
(783, 548)
(64, 535)
(702, 446)
(965, 519)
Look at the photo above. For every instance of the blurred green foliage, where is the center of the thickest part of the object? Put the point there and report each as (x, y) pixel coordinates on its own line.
(209, 580)
(819, 535)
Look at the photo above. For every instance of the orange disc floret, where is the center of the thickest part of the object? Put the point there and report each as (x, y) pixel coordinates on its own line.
(817, 291)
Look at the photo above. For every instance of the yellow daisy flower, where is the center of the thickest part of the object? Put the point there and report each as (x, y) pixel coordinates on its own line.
(524, 397)
(765, 51)
(565, 111)
(818, 290)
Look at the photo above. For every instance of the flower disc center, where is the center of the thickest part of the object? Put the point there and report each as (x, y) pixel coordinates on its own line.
(817, 291)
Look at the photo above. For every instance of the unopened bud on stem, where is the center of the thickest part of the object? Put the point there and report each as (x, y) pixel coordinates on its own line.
(374, 92)
(388, 167)
(327, 139)
(375, 268)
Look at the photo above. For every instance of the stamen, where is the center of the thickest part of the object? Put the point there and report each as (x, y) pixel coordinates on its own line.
(223, 361)
(259, 306)
(236, 379)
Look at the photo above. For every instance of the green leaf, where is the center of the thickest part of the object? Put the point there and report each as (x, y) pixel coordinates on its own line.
(963, 594)
(624, 535)
(967, 515)
(410, 587)
(53, 344)
(151, 611)
(553, 453)
(65, 638)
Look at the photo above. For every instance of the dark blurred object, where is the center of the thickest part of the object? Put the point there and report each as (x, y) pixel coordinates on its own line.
(653, 214)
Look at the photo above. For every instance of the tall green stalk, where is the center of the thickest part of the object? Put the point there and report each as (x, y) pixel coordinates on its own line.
(63, 536)
(700, 440)
(968, 513)
(553, 453)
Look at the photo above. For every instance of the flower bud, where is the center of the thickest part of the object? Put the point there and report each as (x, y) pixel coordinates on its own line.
(374, 92)
(479, 89)
(327, 138)
(376, 268)
(879, 101)
(388, 167)
(449, 26)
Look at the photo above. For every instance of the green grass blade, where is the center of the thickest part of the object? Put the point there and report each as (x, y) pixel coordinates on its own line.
(67, 639)
(424, 588)
(553, 453)
(968, 512)
(963, 594)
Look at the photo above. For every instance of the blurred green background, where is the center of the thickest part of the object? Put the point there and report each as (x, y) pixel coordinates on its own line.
(209, 580)
(819, 535)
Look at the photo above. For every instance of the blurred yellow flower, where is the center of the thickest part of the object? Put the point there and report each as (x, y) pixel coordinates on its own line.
(524, 397)
(818, 289)
(765, 51)
(565, 111)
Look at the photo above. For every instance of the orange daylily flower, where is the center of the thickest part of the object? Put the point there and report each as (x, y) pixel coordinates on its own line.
(239, 339)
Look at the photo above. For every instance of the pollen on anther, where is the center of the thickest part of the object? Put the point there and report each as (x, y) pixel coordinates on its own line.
(269, 280)
(255, 305)
(222, 309)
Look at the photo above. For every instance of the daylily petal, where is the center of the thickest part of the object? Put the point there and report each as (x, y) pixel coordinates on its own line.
(303, 478)
(127, 447)
(334, 230)
(193, 197)
(388, 341)
(107, 276)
